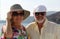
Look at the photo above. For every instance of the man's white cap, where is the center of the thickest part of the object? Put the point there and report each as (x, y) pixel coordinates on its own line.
(40, 8)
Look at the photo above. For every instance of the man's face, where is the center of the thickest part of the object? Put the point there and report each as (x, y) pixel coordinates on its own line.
(40, 16)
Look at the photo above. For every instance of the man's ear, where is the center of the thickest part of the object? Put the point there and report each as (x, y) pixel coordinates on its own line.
(34, 14)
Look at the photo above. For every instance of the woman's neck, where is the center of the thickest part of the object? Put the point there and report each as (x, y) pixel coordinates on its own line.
(18, 26)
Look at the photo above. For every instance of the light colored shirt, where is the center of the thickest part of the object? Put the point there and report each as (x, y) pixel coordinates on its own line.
(49, 30)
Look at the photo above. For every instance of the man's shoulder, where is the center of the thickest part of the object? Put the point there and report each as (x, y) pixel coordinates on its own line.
(52, 23)
(55, 25)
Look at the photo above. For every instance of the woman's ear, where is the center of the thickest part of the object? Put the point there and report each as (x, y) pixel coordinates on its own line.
(11, 21)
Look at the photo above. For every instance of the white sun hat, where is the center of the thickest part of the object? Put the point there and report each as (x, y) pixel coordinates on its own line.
(40, 8)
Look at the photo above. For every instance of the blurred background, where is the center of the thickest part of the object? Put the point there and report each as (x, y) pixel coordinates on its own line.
(53, 9)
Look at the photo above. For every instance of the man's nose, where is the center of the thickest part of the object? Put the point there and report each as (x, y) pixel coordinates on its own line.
(40, 15)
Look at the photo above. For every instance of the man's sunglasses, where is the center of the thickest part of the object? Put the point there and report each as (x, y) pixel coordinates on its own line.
(15, 13)
(39, 13)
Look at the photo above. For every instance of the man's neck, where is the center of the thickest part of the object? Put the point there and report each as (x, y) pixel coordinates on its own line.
(40, 25)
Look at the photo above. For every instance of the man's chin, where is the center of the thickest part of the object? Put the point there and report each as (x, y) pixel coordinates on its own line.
(40, 21)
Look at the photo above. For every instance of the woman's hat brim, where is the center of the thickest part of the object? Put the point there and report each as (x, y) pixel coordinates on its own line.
(26, 14)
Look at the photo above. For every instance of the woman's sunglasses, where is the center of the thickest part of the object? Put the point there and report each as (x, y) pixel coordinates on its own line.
(15, 13)
(39, 13)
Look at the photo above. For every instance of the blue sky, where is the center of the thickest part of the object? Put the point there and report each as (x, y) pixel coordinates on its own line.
(52, 5)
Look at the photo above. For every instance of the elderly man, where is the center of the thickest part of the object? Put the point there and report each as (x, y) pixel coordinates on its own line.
(42, 28)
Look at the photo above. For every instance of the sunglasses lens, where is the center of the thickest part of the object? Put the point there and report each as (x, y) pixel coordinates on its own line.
(14, 13)
(21, 14)
(36, 14)
(42, 14)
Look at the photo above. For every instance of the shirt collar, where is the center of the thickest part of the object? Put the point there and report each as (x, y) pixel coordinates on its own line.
(44, 25)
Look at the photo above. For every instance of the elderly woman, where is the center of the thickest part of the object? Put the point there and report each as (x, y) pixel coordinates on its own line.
(13, 28)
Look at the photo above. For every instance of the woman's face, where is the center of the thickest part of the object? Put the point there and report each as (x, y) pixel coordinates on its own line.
(17, 16)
